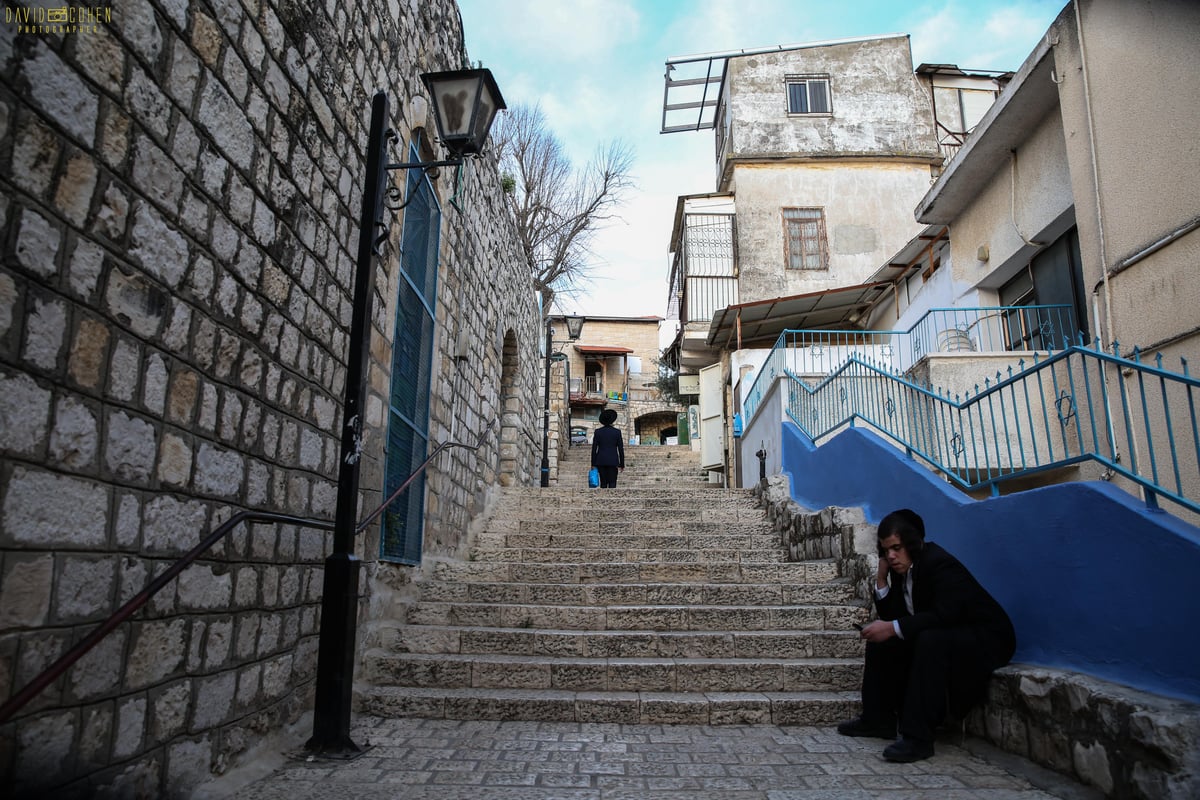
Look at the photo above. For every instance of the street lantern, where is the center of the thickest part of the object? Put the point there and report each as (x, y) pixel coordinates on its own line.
(574, 326)
(465, 102)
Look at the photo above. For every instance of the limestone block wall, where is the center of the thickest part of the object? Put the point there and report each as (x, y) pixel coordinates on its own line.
(179, 194)
(1125, 742)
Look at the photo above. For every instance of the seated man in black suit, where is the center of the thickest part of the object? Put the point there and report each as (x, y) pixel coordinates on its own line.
(938, 638)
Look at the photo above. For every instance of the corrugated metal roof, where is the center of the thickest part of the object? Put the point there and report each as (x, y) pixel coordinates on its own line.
(758, 324)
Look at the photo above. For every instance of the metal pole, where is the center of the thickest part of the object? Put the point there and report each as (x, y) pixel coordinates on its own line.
(339, 601)
(546, 404)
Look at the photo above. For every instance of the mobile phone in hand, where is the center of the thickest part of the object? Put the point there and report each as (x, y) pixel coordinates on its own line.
(858, 626)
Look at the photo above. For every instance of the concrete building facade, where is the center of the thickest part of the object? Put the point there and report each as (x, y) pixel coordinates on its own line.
(822, 151)
(181, 191)
(1038, 236)
(1075, 150)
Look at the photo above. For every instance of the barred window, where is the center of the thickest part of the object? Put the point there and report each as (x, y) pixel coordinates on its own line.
(804, 238)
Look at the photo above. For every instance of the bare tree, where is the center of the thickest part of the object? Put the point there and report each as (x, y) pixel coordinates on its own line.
(558, 209)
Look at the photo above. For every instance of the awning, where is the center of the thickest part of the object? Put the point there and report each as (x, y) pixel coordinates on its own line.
(759, 324)
(580, 399)
(918, 255)
(603, 349)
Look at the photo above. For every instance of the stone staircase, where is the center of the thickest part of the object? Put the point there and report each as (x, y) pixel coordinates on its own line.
(665, 600)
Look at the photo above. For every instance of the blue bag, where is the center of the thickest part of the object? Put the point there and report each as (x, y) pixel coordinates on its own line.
(593, 478)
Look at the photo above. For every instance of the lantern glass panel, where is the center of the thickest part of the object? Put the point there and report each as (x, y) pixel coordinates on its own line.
(455, 103)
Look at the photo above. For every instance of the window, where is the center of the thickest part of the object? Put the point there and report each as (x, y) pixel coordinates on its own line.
(808, 95)
(412, 363)
(1053, 277)
(804, 238)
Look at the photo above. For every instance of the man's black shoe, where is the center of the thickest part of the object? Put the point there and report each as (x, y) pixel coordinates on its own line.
(875, 729)
(908, 750)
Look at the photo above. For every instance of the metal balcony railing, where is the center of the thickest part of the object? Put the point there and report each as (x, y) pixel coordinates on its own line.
(1079, 404)
(940, 330)
(704, 274)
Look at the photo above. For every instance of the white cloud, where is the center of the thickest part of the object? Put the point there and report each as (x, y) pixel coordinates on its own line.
(999, 38)
(579, 31)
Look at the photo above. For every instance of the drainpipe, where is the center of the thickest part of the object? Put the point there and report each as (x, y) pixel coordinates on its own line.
(1106, 335)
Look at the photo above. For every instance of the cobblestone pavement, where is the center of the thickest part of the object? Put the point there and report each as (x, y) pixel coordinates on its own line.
(417, 759)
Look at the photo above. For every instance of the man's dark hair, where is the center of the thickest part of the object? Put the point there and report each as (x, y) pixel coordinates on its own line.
(908, 525)
(608, 416)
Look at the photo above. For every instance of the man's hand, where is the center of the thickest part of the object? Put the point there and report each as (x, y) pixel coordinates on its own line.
(878, 631)
(881, 573)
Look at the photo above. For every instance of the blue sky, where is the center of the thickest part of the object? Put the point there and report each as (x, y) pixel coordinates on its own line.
(596, 68)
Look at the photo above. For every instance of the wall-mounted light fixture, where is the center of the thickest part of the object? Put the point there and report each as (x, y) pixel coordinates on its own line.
(465, 102)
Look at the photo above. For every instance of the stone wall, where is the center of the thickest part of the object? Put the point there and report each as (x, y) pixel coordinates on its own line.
(178, 220)
(1126, 743)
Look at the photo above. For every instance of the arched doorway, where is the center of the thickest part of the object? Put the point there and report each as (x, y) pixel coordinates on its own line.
(653, 428)
(509, 423)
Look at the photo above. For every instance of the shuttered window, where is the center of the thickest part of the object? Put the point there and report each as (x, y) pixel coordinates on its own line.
(412, 361)
(804, 238)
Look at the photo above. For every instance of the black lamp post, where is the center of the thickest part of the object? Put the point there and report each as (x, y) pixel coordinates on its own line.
(466, 102)
(574, 329)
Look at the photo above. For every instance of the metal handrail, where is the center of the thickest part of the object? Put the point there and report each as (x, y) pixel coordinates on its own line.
(1080, 404)
(986, 329)
(53, 672)
(400, 489)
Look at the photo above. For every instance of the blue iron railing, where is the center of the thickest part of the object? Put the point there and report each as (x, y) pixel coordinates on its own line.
(940, 330)
(1078, 404)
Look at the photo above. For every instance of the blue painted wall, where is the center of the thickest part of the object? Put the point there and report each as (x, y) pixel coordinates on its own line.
(1094, 582)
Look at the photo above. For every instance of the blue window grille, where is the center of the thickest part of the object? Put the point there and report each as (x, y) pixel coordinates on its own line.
(412, 361)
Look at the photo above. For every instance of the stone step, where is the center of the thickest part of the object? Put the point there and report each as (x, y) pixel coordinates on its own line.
(668, 600)
(629, 572)
(640, 468)
(573, 495)
(636, 519)
(623, 539)
(637, 617)
(604, 594)
(633, 458)
(646, 708)
(609, 504)
(636, 473)
(715, 643)
(667, 453)
(603, 555)
(635, 482)
(429, 670)
(589, 518)
(598, 524)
